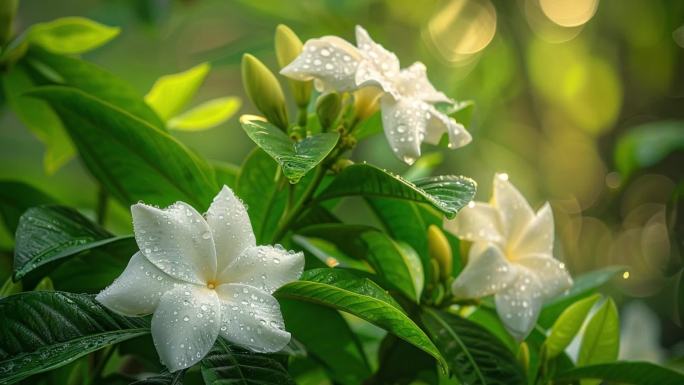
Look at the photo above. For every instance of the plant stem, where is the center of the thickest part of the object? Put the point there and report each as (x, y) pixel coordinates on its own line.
(97, 371)
(101, 209)
(302, 118)
(292, 214)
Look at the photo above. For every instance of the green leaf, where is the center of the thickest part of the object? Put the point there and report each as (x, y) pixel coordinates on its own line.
(368, 127)
(424, 166)
(646, 145)
(463, 112)
(50, 68)
(226, 173)
(601, 340)
(295, 158)
(361, 297)
(624, 372)
(48, 235)
(163, 379)
(39, 118)
(41, 330)
(568, 325)
(207, 115)
(328, 338)
(232, 365)
(10, 287)
(447, 193)
(397, 263)
(133, 160)
(474, 355)
(16, 198)
(170, 93)
(71, 35)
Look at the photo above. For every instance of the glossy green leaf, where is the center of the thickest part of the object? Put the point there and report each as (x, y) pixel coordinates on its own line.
(41, 330)
(447, 193)
(624, 372)
(71, 35)
(474, 355)
(328, 338)
(47, 235)
(139, 162)
(163, 379)
(295, 158)
(10, 287)
(17, 197)
(207, 115)
(170, 93)
(568, 325)
(39, 118)
(646, 145)
(601, 339)
(361, 297)
(227, 364)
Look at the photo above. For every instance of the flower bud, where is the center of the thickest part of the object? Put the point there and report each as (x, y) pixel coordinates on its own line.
(366, 102)
(328, 109)
(264, 91)
(288, 47)
(8, 9)
(440, 251)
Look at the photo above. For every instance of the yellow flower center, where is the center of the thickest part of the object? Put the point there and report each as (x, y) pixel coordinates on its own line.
(212, 284)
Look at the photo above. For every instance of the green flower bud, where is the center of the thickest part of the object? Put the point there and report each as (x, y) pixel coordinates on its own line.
(8, 9)
(264, 91)
(440, 251)
(288, 47)
(366, 102)
(437, 294)
(434, 271)
(328, 109)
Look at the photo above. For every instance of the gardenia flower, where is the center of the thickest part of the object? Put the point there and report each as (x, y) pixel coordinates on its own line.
(511, 256)
(408, 100)
(203, 277)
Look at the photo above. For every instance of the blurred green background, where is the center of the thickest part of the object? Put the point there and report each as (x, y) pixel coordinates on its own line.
(580, 102)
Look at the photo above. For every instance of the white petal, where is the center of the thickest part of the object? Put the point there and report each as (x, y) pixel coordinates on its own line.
(439, 123)
(330, 60)
(519, 304)
(230, 226)
(537, 237)
(384, 61)
(486, 273)
(551, 273)
(251, 318)
(514, 210)
(265, 267)
(138, 289)
(413, 82)
(404, 123)
(177, 240)
(477, 222)
(186, 325)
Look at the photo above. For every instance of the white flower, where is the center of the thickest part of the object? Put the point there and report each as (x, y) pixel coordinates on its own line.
(203, 277)
(511, 256)
(408, 113)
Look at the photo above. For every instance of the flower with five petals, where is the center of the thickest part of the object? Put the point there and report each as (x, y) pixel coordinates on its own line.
(408, 100)
(511, 256)
(203, 277)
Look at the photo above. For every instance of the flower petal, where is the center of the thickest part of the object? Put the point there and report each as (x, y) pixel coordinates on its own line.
(251, 318)
(519, 304)
(551, 273)
(477, 222)
(439, 123)
(537, 237)
(265, 267)
(413, 82)
(382, 60)
(486, 273)
(404, 123)
(138, 289)
(231, 229)
(514, 210)
(186, 325)
(177, 240)
(330, 60)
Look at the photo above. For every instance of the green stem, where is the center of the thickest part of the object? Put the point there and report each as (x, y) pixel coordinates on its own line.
(292, 214)
(302, 118)
(101, 209)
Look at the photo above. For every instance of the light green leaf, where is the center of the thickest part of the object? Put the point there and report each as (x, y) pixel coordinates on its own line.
(41, 331)
(170, 93)
(17, 197)
(568, 325)
(71, 35)
(10, 287)
(295, 158)
(601, 340)
(474, 355)
(624, 372)
(646, 145)
(138, 162)
(39, 118)
(361, 297)
(45, 284)
(206, 115)
(447, 193)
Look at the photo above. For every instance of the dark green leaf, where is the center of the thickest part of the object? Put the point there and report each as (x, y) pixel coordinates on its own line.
(369, 127)
(40, 331)
(163, 379)
(636, 373)
(448, 193)
(647, 144)
(16, 198)
(361, 297)
(295, 158)
(474, 355)
(132, 159)
(226, 173)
